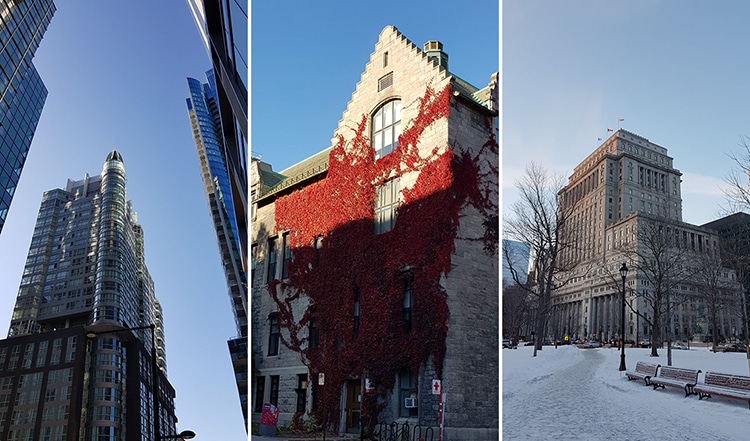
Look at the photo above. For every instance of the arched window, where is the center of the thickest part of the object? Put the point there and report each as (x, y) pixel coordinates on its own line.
(386, 128)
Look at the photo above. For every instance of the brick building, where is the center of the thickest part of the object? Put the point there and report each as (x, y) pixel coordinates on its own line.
(374, 262)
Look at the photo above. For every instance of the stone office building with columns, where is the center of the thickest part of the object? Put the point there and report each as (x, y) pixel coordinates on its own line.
(614, 196)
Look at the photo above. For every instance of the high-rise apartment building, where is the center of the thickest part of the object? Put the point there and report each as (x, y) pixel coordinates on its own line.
(207, 131)
(627, 188)
(73, 366)
(223, 26)
(22, 93)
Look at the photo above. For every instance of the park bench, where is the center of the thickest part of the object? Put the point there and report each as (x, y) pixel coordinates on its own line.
(643, 371)
(676, 377)
(725, 385)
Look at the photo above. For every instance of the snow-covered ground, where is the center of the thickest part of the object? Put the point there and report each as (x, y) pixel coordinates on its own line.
(567, 393)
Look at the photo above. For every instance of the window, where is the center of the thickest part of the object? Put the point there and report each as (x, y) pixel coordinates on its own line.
(301, 392)
(271, 260)
(355, 325)
(407, 388)
(312, 338)
(273, 335)
(386, 202)
(260, 391)
(407, 304)
(253, 254)
(287, 256)
(274, 399)
(318, 247)
(386, 128)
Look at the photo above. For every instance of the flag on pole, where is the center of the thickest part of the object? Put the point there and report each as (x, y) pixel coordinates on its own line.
(621, 119)
(610, 130)
(598, 139)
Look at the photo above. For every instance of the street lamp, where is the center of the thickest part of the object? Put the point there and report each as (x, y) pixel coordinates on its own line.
(623, 273)
(108, 329)
(185, 434)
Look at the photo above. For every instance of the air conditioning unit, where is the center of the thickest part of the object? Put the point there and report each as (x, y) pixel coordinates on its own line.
(410, 403)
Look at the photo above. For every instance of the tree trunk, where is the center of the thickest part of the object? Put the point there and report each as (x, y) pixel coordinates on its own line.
(655, 333)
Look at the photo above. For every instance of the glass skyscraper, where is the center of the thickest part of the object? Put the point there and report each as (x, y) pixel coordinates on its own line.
(207, 131)
(223, 26)
(72, 364)
(22, 93)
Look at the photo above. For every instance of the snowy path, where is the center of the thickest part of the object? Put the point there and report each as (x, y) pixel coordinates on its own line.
(585, 397)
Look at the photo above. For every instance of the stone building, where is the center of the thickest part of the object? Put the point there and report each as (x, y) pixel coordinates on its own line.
(374, 263)
(625, 191)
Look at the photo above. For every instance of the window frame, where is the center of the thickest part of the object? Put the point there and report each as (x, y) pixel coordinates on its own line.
(273, 334)
(386, 205)
(381, 125)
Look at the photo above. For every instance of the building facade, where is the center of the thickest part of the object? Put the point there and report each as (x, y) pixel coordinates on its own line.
(371, 270)
(223, 26)
(613, 202)
(72, 366)
(22, 92)
(207, 131)
(519, 254)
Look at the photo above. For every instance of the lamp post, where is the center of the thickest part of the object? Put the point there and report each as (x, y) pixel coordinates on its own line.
(185, 434)
(623, 273)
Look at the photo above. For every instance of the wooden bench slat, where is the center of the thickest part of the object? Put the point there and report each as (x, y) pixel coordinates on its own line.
(676, 377)
(726, 385)
(643, 371)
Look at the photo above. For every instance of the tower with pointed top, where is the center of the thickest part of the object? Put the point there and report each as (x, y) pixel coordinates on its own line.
(85, 271)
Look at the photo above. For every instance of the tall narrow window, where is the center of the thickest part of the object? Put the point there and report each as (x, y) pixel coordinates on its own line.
(386, 202)
(271, 275)
(287, 257)
(301, 392)
(355, 325)
(312, 338)
(408, 282)
(386, 128)
(273, 334)
(274, 399)
(260, 391)
(253, 256)
(318, 248)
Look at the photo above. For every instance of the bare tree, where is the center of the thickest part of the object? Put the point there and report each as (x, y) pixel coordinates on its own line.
(537, 219)
(736, 253)
(658, 256)
(718, 293)
(734, 248)
(737, 192)
(515, 310)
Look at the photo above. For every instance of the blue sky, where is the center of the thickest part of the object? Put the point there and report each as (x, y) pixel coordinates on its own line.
(675, 71)
(116, 74)
(307, 58)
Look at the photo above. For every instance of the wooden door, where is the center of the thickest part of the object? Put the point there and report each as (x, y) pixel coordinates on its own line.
(353, 393)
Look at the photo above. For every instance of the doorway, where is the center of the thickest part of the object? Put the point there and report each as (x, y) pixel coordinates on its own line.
(353, 407)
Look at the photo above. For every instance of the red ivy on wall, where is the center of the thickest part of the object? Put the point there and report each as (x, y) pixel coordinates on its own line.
(354, 262)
